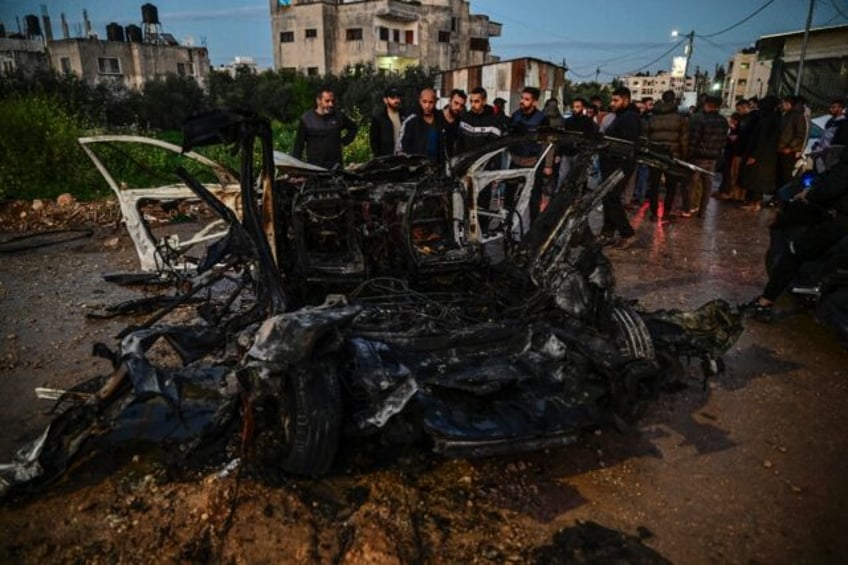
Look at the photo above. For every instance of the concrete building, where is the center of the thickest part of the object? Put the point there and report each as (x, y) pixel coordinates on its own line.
(747, 76)
(238, 63)
(19, 53)
(130, 63)
(645, 84)
(325, 36)
(506, 79)
(825, 74)
(130, 55)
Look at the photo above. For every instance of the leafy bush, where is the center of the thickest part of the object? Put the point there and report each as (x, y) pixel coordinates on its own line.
(41, 156)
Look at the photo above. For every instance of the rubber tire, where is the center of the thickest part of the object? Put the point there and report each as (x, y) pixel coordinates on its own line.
(311, 416)
(632, 333)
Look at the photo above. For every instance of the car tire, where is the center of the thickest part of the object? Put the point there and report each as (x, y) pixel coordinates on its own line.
(310, 414)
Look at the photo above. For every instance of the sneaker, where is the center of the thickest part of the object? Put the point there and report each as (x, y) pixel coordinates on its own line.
(685, 214)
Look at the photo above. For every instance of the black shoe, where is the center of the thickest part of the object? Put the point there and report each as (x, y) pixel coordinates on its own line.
(605, 239)
(759, 312)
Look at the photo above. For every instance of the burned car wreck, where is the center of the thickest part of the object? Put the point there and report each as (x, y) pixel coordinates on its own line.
(387, 301)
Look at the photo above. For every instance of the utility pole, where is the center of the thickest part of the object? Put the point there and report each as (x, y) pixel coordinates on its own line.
(804, 48)
(688, 52)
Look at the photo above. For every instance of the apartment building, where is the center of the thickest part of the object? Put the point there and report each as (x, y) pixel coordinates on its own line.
(324, 36)
(130, 55)
(645, 84)
(746, 76)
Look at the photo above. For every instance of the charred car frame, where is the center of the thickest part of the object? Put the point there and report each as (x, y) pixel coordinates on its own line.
(386, 301)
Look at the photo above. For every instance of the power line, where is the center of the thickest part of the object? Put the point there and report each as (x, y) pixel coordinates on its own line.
(838, 11)
(740, 22)
(646, 65)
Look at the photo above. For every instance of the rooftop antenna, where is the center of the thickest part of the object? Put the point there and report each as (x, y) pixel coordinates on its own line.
(65, 33)
(86, 23)
(45, 20)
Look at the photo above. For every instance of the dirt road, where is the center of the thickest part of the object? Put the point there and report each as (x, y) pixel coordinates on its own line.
(750, 469)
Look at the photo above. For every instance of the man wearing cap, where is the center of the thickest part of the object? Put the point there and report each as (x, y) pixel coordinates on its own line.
(385, 124)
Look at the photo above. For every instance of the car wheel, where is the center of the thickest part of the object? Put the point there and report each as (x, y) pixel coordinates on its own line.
(310, 414)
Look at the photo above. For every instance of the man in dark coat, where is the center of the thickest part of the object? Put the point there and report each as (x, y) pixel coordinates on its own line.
(759, 165)
(671, 129)
(707, 137)
(451, 116)
(320, 132)
(578, 121)
(627, 126)
(422, 132)
(385, 124)
(793, 137)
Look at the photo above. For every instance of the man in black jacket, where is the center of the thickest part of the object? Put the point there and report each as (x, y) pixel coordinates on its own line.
(707, 137)
(480, 124)
(385, 124)
(580, 122)
(626, 125)
(320, 131)
(422, 132)
(824, 209)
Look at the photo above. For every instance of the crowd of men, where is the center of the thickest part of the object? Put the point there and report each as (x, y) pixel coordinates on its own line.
(757, 148)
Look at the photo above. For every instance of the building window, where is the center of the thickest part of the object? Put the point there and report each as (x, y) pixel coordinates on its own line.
(8, 66)
(353, 34)
(312, 71)
(744, 66)
(311, 33)
(396, 35)
(742, 82)
(410, 37)
(65, 64)
(384, 33)
(454, 23)
(479, 44)
(185, 69)
(108, 66)
(444, 37)
(286, 37)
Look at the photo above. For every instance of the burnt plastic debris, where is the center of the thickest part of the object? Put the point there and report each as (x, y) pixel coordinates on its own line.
(396, 300)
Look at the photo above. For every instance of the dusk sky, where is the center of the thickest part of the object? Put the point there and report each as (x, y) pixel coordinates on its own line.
(616, 36)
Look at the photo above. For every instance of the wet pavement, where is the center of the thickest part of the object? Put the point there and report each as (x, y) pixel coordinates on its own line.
(749, 469)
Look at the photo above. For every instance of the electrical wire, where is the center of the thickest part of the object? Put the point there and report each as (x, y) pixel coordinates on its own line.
(646, 65)
(838, 10)
(740, 22)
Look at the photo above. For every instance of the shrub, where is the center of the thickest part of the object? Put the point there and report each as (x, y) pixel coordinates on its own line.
(41, 156)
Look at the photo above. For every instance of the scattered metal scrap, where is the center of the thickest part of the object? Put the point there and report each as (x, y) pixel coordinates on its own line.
(389, 301)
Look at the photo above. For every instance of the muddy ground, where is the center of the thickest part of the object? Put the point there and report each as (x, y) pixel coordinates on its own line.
(749, 469)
